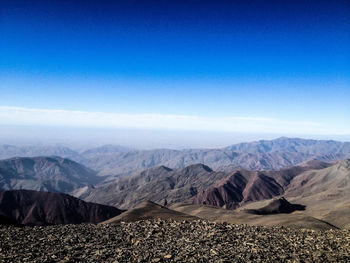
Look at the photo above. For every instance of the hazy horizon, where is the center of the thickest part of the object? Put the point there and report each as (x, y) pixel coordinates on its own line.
(83, 138)
(175, 74)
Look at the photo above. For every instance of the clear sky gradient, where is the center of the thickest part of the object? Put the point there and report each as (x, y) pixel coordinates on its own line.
(243, 66)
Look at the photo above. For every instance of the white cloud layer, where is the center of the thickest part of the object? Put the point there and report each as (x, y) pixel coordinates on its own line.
(49, 117)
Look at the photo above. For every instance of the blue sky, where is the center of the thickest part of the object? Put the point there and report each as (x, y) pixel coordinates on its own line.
(283, 64)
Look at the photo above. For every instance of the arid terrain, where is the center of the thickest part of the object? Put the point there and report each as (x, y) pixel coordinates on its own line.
(298, 213)
(171, 241)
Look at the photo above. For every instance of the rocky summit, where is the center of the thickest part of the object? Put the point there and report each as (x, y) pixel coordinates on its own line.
(171, 241)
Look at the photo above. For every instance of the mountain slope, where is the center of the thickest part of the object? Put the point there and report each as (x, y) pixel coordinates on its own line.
(28, 207)
(242, 186)
(327, 183)
(158, 184)
(298, 220)
(52, 174)
(195, 183)
(326, 193)
(149, 210)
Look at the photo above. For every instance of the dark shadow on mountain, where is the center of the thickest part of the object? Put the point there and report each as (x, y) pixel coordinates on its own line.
(277, 206)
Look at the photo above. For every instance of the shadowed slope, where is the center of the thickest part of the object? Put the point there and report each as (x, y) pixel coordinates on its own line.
(297, 219)
(4, 220)
(43, 208)
(277, 206)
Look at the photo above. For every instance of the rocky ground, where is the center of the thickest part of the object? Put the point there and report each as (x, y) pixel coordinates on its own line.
(171, 241)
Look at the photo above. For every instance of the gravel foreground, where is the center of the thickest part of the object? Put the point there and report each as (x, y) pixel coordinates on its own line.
(171, 241)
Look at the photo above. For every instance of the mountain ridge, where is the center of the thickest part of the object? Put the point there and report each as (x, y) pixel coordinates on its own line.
(117, 161)
(28, 207)
(53, 174)
(196, 183)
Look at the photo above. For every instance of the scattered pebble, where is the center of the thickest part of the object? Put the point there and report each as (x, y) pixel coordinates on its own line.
(171, 241)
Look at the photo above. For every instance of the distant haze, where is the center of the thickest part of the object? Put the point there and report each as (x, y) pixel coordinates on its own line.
(174, 74)
(137, 138)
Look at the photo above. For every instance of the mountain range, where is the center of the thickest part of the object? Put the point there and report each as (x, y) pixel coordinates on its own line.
(54, 174)
(197, 184)
(116, 161)
(225, 193)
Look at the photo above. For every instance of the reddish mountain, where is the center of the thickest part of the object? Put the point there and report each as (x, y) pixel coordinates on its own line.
(29, 207)
(244, 186)
(238, 187)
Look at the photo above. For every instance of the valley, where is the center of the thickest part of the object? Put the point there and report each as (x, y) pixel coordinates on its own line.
(307, 201)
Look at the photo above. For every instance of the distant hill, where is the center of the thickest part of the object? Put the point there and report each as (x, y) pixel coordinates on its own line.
(117, 161)
(106, 149)
(296, 145)
(28, 207)
(260, 155)
(149, 210)
(54, 174)
(10, 151)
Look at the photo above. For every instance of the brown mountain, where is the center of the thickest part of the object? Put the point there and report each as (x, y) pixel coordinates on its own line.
(239, 187)
(158, 184)
(29, 207)
(196, 182)
(244, 186)
(149, 210)
(326, 193)
(326, 183)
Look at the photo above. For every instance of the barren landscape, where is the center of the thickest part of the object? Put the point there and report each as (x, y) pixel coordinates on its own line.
(174, 131)
(171, 241)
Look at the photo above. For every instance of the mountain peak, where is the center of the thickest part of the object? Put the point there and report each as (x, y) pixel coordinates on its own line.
(198, 167)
